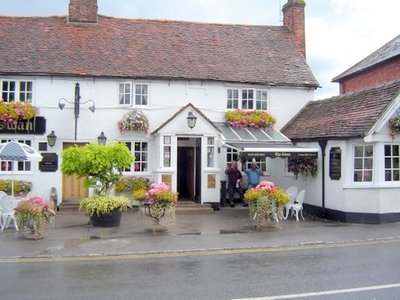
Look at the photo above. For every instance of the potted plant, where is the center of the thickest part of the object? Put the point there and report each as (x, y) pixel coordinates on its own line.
(266, 203)
(102, 166)
(158, 202)
(127, 185)
(105, 211)
(34, 218)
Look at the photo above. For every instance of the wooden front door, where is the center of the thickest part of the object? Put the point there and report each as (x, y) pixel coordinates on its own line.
(73, 188)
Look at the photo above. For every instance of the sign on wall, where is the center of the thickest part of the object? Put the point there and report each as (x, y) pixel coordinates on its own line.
(335, 163)
(49, 162)
(36, 125)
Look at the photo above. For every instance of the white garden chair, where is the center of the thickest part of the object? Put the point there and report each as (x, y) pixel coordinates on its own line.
(7, 210)
(297, 207)
(292, 191)
(2, 194)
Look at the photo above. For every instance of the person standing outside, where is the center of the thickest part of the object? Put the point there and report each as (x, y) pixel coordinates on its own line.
(234, 177)
(253, 174)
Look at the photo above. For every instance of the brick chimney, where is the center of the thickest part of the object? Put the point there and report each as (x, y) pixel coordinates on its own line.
(83, 12)
(293, 19)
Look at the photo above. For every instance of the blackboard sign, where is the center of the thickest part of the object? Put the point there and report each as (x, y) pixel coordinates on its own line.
(335, 163)
(49, 162)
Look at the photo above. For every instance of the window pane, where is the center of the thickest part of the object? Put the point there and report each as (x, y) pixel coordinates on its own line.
(368, 151)
(388, 150)
(357, 176)
(396, 150)
(368, 163)
(358, 164)
(396, 162)
(388, 176)
(367, 175)
(388, 163)
(358, 151)
(396, 175)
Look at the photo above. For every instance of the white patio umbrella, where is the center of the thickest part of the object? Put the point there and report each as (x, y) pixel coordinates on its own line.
(14, 151)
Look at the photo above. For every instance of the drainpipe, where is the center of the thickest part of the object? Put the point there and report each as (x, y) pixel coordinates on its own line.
(322, 145)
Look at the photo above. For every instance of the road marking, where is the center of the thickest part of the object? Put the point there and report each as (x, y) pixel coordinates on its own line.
(199, 252)
(322, 293)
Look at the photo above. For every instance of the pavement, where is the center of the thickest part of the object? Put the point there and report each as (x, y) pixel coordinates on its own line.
(226, 229)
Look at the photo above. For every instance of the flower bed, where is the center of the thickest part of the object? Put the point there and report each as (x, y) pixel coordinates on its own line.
(394, 124)
(244, 118)
(11, 112)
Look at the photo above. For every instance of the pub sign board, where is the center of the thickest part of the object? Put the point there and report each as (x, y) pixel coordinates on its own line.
(281, 154)
(335, 163)
(49, 162)
(35, 125)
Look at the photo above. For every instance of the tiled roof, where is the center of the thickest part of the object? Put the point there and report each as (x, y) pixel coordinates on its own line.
(388, 51)
(345, 116)
(136, 48)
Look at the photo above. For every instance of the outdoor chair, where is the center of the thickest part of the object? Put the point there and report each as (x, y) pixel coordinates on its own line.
(292, 191)
(297, 207)
(2, 194)
(7, 210)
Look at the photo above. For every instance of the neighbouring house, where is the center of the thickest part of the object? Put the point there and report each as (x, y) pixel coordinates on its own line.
(162, 87)
(379, 67)
(358, 133)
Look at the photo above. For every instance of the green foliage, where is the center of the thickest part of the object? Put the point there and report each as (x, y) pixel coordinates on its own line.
(101, 164)
(303, 166)
(166, 197)
(104, 204)
(20, 186)
(131, 183)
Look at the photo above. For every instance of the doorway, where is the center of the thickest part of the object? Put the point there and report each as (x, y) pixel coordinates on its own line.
(189, 169)
(73, 187)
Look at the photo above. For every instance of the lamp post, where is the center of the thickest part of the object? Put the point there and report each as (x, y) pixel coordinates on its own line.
(77, 104)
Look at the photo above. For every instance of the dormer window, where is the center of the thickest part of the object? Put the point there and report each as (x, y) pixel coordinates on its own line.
(247, 99)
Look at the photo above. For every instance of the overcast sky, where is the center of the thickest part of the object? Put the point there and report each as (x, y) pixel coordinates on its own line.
(339, 32)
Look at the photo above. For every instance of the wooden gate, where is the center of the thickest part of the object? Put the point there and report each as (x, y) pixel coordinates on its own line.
(72, 186)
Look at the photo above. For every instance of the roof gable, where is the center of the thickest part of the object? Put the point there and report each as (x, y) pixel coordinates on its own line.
(345, 116)
(135, 48)
(383, 54)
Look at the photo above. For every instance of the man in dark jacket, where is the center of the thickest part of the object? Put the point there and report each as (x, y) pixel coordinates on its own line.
(234, 177)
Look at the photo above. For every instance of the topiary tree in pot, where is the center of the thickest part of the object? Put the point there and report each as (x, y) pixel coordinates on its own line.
(102, 166)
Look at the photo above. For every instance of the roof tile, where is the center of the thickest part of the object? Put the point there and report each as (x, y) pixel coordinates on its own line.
(135, 48)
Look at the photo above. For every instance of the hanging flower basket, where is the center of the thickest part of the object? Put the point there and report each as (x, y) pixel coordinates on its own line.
(11, 112)
(244, 118)
(303, 166)
(394, 124)
(134, 120)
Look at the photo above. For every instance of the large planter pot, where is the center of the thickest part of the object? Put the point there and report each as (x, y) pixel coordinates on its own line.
(112, 219)
(34, 230)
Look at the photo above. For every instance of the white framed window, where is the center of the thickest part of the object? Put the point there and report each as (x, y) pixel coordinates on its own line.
(247, 99)
(16, 166)
(125, 93)
(17, 90)
(167, 151)
(261, 163)
(363, 163)
(231, 155)
(210, 151)
(261, 100)
(140, 150)
(233, 98)
(141, 94)
(392, 158)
